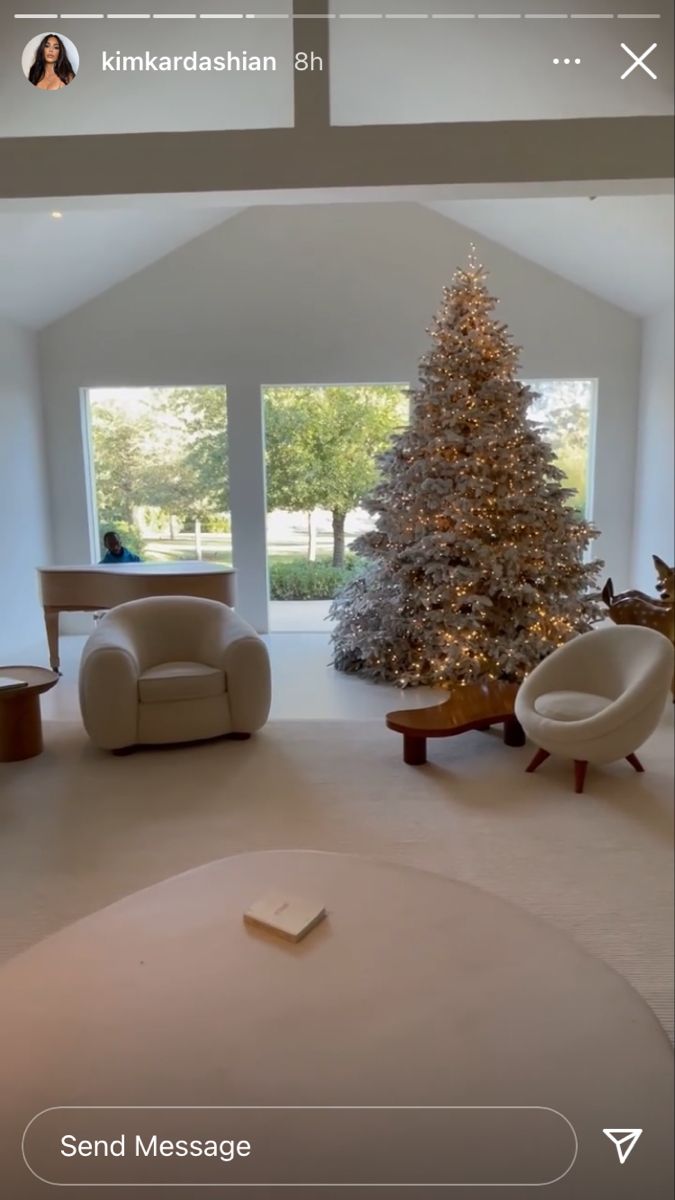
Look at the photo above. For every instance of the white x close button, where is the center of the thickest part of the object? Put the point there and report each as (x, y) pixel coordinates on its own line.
(639, 60)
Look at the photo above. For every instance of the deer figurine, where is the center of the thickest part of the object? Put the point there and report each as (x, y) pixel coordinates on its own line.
(637, 608)
(664, 585)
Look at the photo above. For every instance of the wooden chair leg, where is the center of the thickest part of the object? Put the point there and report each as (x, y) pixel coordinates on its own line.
(634, 762)
(579, 774)
(538, 759)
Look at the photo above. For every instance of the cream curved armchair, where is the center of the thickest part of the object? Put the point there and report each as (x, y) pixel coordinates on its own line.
(598, 697)
(172, 669)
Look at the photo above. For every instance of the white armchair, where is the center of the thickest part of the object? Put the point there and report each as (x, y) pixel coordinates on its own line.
(172, 669)
(598, 697)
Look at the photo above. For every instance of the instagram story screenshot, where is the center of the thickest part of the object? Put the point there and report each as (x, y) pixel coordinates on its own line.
(337, 599)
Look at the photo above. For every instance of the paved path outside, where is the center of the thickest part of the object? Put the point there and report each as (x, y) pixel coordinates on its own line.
(299, 616)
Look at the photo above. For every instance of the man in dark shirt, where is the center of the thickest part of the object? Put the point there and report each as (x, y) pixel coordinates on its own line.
(115, 552)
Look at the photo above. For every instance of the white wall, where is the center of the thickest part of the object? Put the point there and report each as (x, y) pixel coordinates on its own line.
(331, 293)
(23, 502)
(402, 71)
(381, 71)
(654, 502)
(99, 101)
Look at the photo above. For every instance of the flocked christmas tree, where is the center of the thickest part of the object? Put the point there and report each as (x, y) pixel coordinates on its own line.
(476, 567)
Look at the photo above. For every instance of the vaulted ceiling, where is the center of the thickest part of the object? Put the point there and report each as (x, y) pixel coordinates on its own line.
(618, 247)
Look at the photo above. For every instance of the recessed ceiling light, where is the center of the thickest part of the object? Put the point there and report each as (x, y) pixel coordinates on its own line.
(57, 215)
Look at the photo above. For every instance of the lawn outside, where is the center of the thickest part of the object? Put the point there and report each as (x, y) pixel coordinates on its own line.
(300, 590)
(287, 540)
(286, 545)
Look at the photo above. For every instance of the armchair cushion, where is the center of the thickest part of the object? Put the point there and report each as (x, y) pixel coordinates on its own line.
(180, 681)
(570, 706)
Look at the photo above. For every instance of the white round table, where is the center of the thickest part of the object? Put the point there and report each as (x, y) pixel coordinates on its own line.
(498, 1045)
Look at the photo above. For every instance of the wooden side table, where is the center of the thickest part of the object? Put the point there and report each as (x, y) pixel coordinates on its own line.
(473, 706)
(20, 718)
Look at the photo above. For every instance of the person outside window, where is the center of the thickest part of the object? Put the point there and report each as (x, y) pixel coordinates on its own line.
(115, 552)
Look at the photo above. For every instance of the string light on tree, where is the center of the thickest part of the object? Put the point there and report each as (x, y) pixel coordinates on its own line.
(476, 566)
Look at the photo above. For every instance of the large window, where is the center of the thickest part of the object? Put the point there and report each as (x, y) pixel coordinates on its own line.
(321, 454)
(160, 476)
(564, 410)
(160, 471)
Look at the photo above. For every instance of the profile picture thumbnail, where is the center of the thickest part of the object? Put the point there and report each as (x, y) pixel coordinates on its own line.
(50, 61)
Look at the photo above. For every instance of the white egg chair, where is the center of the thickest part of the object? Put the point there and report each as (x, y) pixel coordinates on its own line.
(598, 697)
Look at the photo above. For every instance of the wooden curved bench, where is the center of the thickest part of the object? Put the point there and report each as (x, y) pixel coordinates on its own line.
(471, 706)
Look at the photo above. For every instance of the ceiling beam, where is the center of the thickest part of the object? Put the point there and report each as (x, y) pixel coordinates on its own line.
(311, 85)
(310, 156)
(315, 154)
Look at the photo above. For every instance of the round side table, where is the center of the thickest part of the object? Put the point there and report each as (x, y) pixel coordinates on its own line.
(20, 719)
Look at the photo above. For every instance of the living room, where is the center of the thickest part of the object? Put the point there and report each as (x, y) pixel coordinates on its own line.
(300, 272)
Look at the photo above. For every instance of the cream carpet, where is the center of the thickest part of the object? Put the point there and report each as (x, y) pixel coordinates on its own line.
(80, 829)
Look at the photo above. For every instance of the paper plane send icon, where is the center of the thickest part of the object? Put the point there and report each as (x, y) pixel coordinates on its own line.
(625, 1141)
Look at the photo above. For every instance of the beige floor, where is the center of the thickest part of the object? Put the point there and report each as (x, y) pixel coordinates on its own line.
(305, 685)
(80, 829)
